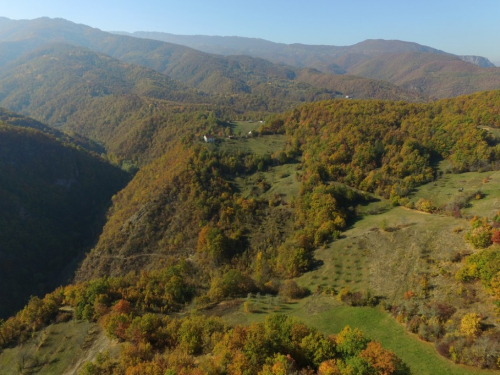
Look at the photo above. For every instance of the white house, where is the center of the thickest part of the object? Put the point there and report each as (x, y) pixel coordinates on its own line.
(209, 139)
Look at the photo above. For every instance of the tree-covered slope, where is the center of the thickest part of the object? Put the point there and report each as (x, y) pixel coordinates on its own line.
(380, 147)
(387, 146)
(111, 102)
(360, 88)
(322, 57)
(16, 119)
(53, 197)
(45, 76)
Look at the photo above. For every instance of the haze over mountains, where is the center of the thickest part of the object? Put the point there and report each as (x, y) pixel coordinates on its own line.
(301, 55)
(417, 71)
(412, 66)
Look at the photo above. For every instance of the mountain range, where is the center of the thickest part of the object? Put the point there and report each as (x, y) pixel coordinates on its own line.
(300, 55)
(245, 74)
(413, 66)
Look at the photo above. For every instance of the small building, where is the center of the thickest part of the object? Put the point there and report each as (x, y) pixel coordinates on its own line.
(209, 139)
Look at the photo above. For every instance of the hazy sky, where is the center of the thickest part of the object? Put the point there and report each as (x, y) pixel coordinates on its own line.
(457, 26)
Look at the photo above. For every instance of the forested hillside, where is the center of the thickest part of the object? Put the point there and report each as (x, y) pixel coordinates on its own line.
(438, 76)
(15, 119)
(53, 199)
(389, 148)
(200, 232)
(379, 147)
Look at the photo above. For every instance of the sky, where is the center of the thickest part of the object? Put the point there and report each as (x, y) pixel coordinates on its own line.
(461, 27)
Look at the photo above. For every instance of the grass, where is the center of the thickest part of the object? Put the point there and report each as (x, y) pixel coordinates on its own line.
(494, 131)
(385, 261)
(261, 145)
(58, 349)
(447, 189)
(251, 143)
(420, 356)
(243, 127)
(385, 253)
(281, 179)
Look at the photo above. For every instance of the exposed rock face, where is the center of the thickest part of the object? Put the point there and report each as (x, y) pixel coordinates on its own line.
(480, 61)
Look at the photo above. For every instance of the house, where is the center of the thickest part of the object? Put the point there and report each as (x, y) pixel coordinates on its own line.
(209, 139)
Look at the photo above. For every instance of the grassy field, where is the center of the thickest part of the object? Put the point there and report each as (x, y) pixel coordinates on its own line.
(243, 127)
(245, 142)
(495, 132)
(447, 189)
(420, 356)
(387, 261)
(58, 349)
(282, 181)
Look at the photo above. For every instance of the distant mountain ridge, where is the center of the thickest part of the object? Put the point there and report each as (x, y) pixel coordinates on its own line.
(273, 85)
(339, 70)
(295, 54)
(413, 67)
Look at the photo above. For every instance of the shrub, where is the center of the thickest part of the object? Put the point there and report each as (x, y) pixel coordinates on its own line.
(479, 237)
(425, 205)
(248, 307)
(290, 289)
(344, 294)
